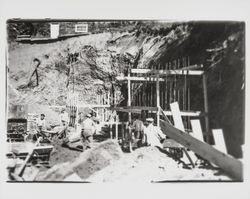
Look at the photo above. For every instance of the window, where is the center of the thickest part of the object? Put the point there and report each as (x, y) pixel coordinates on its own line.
(81, 28)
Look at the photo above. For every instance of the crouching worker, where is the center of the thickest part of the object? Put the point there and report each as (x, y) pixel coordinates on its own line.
(153, 136)
(87, 132)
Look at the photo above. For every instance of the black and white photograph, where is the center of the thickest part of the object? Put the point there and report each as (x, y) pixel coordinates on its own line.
(96, 101)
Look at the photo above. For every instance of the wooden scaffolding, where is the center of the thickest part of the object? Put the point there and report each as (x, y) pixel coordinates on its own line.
(153, 90)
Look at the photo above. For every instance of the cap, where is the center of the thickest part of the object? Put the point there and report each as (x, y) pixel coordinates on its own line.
(88, 115)
(150, 119)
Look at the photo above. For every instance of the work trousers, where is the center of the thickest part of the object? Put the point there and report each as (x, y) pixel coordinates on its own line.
(87, 142)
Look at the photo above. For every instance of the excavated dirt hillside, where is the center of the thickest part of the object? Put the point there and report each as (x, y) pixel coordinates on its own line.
(100, 57)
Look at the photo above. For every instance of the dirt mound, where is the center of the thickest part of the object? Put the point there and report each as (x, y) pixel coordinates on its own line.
(86, 164)
(61, 154)
(149, 164)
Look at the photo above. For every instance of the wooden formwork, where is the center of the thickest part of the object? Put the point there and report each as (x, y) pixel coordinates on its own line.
(163, 84)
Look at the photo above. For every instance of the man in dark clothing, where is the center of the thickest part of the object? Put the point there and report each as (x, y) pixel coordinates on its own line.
(36, 63)
(138, 127)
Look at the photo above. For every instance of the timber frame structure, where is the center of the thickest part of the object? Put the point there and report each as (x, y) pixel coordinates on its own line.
(150, 90)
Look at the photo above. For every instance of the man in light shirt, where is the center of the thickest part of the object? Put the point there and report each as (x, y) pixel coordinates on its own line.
(64, 117)
(153, 135)
(88, 130)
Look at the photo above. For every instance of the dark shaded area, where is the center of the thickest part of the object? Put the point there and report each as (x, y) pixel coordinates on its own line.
(219, 46)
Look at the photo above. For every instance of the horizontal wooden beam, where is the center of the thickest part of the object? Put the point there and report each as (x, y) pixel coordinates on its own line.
(85, 105)
(146, 108)
(139, 79)
(167, 72)
(94, 105)
(192, 67)
(138, 109)
(185, 113)
(232, 166)
(120, 109)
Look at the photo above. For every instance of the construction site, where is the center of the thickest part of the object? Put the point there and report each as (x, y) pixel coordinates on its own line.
(125, 101)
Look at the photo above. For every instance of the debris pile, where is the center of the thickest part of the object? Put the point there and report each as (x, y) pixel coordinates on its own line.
(86, 164)
(149, 164)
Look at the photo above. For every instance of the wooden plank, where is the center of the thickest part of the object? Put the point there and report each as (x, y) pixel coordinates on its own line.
(219, 140)
(167, 72)
(185, 113)
(129, 96)
(127, 110)
(158, 100)
(139, 79)
(197, 131)
(192, 67)
(207, 128)
(149, 108)
(230, 165)
(178, 123)
(30, 153)
(86, 105)
(116, 130)
(155, 109)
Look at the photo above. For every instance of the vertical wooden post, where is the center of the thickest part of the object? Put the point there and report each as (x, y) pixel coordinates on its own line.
(129, 94)
(166, 102)
(77, 110)
(207, 129)
(116, 130)
(102, 97)
(111, 131)
(158, 100)
(108, 97)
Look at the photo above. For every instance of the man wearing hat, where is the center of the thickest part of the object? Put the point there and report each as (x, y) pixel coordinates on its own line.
(40, 126)
(88, 130)
(153, 134)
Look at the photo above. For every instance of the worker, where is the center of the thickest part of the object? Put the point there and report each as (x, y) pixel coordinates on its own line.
(64, 118)
(40, 127)
(153, 135)
(138, 127)
(128, 137)
(88, 130)
(80, 118)
(36, 64)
